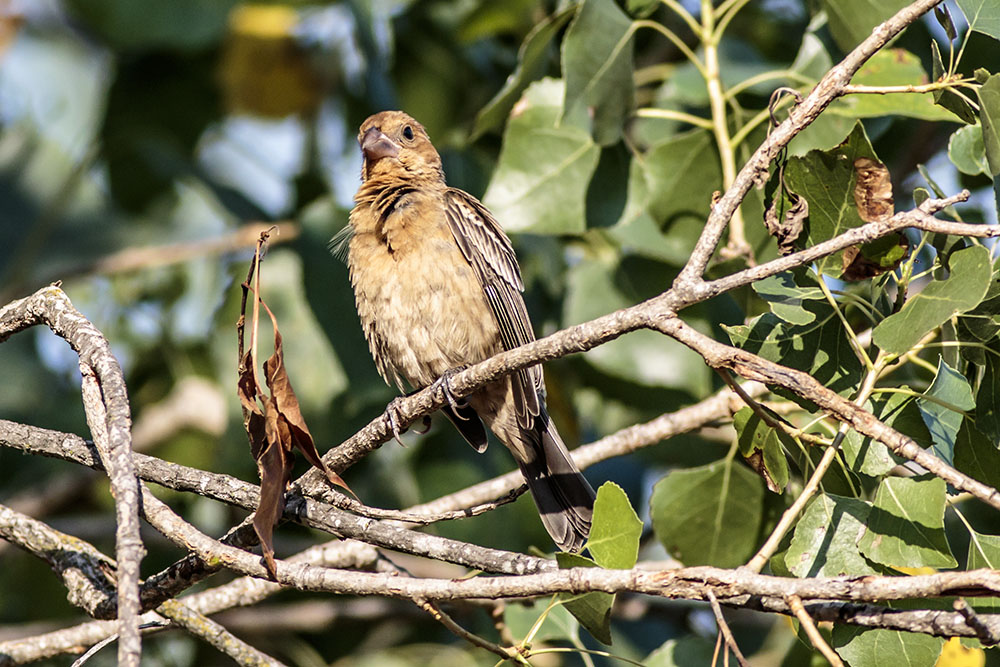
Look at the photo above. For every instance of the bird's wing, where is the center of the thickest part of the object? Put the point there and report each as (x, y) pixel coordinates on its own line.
(489, 252)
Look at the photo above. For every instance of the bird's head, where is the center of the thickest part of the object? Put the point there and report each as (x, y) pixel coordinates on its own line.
(393, 144)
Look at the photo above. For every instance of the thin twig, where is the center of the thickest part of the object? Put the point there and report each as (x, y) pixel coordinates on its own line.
(795, 604)
(725, 631)
(987, 636)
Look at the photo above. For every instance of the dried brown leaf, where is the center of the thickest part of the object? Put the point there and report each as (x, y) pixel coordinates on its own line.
(859, 266)
(873, 190)
(756, 461)
(275, 467)
(290, 414)
(788, 229)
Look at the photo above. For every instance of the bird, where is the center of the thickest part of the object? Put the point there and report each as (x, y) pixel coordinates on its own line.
(438, 288)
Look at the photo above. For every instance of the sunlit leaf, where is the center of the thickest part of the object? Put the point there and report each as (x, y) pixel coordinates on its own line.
(825, 541)
(540, 184)
(945, 97)
(989, 117)
(906, 525)
(615, 529)
(826, 179)
(763, 446)
(983, 16)
(593, 610)
(820, 348)
(786, 293)
(861, 647)
(897, 410)
(891, 67)
(851, 21)
(970, 274)
(943, 422)
(977, 455)
(967, 152)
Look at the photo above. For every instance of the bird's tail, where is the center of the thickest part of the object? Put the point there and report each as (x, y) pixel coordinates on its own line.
(564, 497)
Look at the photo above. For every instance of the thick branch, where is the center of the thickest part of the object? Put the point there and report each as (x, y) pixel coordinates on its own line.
(108, 414)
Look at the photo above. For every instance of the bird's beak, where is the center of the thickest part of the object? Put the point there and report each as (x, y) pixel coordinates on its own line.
(376, 146)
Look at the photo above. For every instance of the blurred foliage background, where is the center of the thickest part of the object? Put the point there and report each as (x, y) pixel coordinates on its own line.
(140, 141)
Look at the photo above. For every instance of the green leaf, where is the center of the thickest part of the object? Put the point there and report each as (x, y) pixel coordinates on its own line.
(869, 648)
(891, 67)
(988, 396)
(982, 15)
(825, 542)
(709, 515)
(593, 610)
(597, 66)
(977, 456)
(682, 652)
(966, 150)
(984, 551)
(989, 117)
(900, 412)
(786, 297)
(540, 183)
(754, 435)
(965, 287)
(596, 287)
(851, 21)
(559, 623)
(638, 232)
(943, 423)
(906, 524)
(682, 172)
(819, 348)
(615, 530)
(826, 179)
(944, 97)
(531, 60)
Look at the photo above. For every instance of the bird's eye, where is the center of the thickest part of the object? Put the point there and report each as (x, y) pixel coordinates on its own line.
(408, 133)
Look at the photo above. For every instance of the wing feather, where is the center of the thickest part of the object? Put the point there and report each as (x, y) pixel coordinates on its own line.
(489, 252)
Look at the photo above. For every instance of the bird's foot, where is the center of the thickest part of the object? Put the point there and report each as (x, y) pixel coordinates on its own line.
(392, 415)
(443, 384)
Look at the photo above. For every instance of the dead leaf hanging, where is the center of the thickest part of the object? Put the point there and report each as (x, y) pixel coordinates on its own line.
(274, 422)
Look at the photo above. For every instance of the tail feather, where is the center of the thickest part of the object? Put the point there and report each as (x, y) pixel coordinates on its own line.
(564, 497)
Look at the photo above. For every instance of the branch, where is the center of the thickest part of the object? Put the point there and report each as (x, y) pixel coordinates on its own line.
(89, 575)
(306, 511)
(756, 168)
(751, 366)
(107, 409)
(216, 635)
(244, 591)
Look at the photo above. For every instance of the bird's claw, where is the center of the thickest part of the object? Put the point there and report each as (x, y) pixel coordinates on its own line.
(443, 384)
(425, 425)
(392, 416)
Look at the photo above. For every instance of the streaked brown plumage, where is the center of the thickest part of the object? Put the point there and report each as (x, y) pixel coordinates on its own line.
(438, 287)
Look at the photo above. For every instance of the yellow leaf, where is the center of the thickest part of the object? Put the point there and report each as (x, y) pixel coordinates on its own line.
(955, 655)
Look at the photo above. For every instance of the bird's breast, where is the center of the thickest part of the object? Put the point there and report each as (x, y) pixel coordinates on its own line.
(421, 306)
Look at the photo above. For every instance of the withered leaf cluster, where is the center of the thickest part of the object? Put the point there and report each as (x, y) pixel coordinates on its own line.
(274, 422)
(873, 199)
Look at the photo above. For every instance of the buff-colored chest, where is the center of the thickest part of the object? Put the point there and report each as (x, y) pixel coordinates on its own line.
(421, 306)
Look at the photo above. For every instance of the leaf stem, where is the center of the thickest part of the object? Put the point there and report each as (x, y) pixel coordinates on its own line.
(671, 114)
(737, 245)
